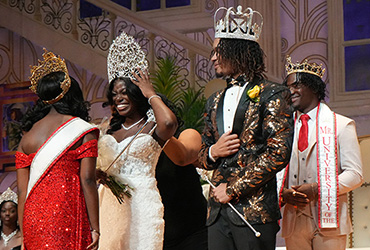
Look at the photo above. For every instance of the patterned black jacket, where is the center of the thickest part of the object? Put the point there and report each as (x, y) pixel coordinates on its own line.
(265, 128)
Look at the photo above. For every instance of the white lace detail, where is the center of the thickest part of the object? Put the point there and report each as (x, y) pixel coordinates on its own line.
(137, 224)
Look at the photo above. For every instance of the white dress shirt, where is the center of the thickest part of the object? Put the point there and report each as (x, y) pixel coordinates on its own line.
(231, 101)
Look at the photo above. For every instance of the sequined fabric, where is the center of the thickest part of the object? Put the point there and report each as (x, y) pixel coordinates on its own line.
(266, 141)
(55, 214)
(138, 223)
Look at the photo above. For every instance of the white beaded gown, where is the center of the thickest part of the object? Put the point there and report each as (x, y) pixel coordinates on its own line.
(138, 223)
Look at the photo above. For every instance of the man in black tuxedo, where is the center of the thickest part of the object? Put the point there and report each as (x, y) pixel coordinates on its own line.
(247, 138)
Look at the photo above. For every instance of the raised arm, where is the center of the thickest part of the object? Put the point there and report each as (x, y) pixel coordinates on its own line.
(165, 118)
(184, 150)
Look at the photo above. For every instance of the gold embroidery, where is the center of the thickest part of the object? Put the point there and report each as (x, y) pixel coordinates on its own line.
(256, 208)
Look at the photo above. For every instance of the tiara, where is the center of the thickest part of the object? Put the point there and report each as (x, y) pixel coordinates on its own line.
(9, 195)
(50, 64)
(238, 25)
(124, 57)
(305, 67)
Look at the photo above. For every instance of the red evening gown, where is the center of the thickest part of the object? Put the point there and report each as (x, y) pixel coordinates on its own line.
(55, 214)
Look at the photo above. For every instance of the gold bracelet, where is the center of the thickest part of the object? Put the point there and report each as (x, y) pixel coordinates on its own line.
(95, 231)
(153, 96)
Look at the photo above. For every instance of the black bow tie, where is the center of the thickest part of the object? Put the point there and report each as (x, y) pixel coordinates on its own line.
(239, 81)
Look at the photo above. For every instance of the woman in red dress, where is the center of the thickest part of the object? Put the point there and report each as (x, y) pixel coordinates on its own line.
(58, 200)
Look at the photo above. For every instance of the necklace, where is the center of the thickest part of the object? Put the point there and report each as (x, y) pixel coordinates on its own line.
(9, 237)
(132, 125)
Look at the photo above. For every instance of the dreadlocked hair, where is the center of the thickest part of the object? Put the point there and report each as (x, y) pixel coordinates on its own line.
(244, 56)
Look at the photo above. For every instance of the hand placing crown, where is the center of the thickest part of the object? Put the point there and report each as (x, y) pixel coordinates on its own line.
(238, 24)
(304, 67)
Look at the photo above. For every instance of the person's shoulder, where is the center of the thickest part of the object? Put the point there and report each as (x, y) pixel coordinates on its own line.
(213, 98)
(215, 94)
(343, 120)
(272, 90)
(189, 132)
(272, 87)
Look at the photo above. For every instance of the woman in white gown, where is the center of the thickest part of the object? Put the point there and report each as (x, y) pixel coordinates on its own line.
(138, 223)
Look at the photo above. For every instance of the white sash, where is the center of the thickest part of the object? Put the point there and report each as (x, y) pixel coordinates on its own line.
(54, 147)
(327, 167)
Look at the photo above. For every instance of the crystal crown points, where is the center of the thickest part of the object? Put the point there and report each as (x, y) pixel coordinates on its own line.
(125, 55)
(9, 195)
(238, 24)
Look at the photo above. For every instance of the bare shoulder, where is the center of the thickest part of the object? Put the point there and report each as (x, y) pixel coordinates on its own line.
(41, 131)
(191, 136)
(189, 133)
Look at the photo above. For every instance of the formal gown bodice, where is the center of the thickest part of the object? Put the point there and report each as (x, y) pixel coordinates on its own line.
(56, 205)
(143, 151)
(140, 218)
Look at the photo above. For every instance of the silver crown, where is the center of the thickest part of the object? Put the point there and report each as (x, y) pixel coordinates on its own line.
(238, 24)
(124, 57)
(9, 195)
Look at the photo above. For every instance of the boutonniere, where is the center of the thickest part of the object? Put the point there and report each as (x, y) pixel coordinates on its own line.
(254, 93)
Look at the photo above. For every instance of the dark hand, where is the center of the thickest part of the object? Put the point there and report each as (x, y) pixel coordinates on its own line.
(295, 198)
(144, 83)
(95, 241)
(219, 193)
(101, 176)
(228, 144)
(310, 189)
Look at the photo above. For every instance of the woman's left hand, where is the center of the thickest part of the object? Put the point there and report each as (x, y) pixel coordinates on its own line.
(144, 83)
(95, 240)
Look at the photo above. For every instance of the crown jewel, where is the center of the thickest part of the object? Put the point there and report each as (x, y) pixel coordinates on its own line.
(9, 195)
(238, 24)
(305, 67)
(125, 56)
(50, 64)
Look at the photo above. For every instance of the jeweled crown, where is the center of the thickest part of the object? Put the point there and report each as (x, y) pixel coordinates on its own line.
(238, 24)
(305, 67)
(51, 63)
(9, 195)
(125, 56)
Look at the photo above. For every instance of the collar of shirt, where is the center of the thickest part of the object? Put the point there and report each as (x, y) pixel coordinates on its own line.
(239, 81)
(231, 101)
(311, 122)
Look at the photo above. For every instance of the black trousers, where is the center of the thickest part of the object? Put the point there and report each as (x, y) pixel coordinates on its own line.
(224, 235)
(195, 241)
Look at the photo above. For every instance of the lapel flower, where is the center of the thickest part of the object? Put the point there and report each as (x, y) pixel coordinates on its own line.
(254, 93)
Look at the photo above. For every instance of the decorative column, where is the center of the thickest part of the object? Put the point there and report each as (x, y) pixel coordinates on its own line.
(75, 17)
(37, 15)
(112, 17)
(270, 39)
(192, 57)
(151, 53)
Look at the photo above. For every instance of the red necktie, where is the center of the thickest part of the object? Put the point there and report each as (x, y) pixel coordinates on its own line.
(303, 133)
